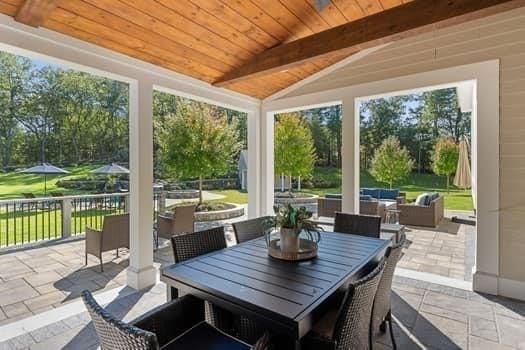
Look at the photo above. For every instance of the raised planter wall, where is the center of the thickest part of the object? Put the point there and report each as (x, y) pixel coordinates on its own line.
(235, 212)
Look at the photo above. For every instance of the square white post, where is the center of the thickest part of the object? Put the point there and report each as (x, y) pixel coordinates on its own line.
(267, 162)
(350, 155)
(141, 272)
(254, 164)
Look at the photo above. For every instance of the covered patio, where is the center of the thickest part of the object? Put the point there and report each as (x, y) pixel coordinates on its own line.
(269, 57)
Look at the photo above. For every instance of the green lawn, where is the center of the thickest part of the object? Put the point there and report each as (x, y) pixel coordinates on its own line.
(13, 184)
(40, 224)
(414, 185)
(233, 196)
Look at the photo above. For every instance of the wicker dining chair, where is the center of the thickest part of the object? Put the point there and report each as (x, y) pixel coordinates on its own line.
(249, 229)
(382, 309)
(349, 326)
(191, 245)
(364, 225)
(178, 324)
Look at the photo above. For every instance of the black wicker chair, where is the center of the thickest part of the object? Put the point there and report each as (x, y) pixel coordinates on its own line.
(249, 229)
(349, 326)
(382, 311)
(191, 245)
(176, 325)
(364, 225)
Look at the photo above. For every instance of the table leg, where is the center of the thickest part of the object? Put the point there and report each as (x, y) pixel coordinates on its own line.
(171, 293)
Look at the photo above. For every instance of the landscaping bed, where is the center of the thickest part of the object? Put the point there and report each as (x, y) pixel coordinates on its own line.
(295, 198)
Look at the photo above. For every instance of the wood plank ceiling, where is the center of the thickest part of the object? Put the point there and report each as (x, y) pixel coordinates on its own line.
(205, 38)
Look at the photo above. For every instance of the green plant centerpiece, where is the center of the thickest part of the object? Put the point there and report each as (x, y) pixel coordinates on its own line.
(291, 221)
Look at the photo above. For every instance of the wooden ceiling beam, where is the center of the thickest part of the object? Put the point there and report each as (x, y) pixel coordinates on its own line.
(34, 12)
(415, 17)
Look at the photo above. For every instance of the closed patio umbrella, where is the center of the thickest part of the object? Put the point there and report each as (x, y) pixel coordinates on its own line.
(45, 169)
(463, 178)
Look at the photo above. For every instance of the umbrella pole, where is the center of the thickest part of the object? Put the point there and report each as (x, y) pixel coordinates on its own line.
(45, 184)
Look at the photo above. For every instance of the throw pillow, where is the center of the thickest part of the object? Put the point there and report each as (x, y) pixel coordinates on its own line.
(422, 199)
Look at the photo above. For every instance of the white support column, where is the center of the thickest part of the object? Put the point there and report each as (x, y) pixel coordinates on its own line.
(141, 272)
(254, 164)
(350, 155)
(267, 162)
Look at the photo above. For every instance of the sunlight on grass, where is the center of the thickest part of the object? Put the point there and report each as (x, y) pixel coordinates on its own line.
(233, 196)
(13, 184)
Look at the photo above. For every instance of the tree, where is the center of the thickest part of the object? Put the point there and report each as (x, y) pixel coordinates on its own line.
(380, 118)
(445, 158)
(391, 162)
(14, 74)
(196, 143)
(294, 148)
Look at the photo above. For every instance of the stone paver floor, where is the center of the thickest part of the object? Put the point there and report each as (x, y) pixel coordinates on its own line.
(38, 279)
(447, 250)
(428, 316)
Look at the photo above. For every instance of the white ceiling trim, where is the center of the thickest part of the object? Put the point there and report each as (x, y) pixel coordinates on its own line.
(355, 57)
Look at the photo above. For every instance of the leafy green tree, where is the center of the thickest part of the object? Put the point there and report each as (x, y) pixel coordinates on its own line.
(14, 75)
(380, 118)
(445, 158)
(196, 143)
(294, 148)
(391, 162)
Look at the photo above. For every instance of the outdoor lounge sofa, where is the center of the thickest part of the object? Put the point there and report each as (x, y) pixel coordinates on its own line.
(373, 201)
(114, 235)
(422, 215)
(331, 204)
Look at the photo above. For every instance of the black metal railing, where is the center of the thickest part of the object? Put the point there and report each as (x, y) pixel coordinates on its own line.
(25, 221)
(90, 210)
(29, 220)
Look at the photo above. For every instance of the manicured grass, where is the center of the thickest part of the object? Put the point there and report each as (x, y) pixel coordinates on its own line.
(233, 196)
(413, 186)
(13, 184)
(17, 227)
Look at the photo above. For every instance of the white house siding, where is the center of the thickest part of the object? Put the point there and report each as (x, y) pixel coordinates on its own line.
(497, 37)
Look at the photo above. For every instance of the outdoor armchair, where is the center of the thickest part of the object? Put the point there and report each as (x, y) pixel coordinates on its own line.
(422, 215)
(177, 325)
(114, 235)
(182, 221)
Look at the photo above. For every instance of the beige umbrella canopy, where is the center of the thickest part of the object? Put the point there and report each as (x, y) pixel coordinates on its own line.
(463, 178)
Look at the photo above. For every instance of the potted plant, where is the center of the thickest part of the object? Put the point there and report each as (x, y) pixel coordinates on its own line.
(291, 222)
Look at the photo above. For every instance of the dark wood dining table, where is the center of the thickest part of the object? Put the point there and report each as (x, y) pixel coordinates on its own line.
(282, 296)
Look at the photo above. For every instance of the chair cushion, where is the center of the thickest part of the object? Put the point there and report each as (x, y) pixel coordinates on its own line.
(422, 199)
(432, 197)
(374, 192)
(205, 336)
(389, 194)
